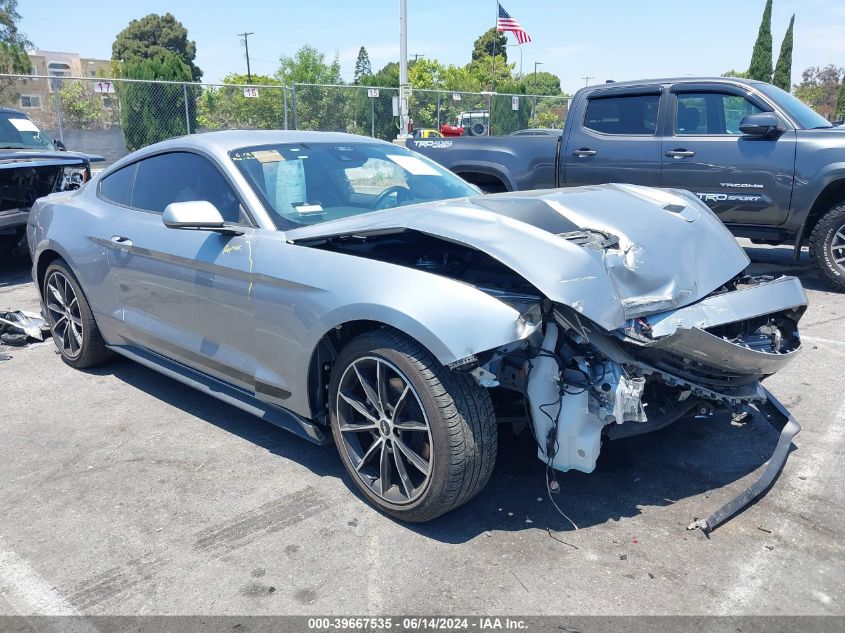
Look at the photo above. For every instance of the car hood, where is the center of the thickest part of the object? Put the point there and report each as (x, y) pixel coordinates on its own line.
(612, 252)
(14, 158)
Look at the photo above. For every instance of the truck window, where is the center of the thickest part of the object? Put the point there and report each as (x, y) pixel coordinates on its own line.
(708, 113)
(628, 114)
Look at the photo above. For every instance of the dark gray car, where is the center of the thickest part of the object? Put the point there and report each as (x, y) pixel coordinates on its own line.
(771, 168)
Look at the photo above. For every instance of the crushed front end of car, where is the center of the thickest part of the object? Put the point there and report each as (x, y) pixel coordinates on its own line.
(632, 308)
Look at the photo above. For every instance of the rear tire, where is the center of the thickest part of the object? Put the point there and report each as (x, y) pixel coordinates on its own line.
(72, 323)
(417, 457)
(827, 247)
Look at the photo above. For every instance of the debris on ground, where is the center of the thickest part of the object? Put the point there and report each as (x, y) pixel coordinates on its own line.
(17, 327)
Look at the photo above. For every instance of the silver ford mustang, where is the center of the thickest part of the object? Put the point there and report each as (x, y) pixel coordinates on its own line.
(334, 284)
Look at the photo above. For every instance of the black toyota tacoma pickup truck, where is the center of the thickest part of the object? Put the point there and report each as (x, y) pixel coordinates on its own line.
(771, 168)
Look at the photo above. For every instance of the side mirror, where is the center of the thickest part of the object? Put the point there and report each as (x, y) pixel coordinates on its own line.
(59, 145)
(763, 124)
(198, 215)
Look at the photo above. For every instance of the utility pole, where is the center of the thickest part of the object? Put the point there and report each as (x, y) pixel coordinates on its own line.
(587, 80)
(416, 56)
(245, 37)
(404, 87)
(535, 73)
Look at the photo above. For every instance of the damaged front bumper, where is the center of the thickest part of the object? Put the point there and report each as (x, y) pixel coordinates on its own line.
(584, 384)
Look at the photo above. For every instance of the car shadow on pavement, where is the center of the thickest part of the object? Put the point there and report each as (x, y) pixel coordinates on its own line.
(688, 458)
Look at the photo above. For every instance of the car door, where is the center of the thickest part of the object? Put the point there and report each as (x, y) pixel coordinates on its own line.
(744, 179)
(614, 138)
(185, 294)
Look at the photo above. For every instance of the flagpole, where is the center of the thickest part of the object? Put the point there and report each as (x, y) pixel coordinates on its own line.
(493, 58)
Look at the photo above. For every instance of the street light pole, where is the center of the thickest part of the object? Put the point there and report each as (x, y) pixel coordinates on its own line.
(404, 87)
(246, 45)
(535, 73)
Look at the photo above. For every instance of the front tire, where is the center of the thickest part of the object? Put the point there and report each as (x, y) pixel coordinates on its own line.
(827, 247)
(417, 439)
(72, 323)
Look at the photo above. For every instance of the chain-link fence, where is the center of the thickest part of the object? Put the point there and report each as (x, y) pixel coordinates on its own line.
(112, 117)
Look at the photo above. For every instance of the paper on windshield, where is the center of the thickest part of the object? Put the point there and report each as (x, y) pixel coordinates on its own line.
(24, 125)
(413, 165)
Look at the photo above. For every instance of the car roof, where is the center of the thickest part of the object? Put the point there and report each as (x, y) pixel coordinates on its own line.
(677, 80)
(13, 111)
(220, 143)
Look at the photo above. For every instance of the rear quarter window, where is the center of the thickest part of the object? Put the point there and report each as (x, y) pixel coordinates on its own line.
(117, 186)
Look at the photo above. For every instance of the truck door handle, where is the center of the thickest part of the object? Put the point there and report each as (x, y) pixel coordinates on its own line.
(584, 152)
(680, 153)
(119, 239)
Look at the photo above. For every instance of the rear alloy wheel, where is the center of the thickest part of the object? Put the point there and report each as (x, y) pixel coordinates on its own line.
(827, 247)
(417, 439)
(74, 330)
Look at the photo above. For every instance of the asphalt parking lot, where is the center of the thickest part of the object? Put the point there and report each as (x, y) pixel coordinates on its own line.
(124, 492)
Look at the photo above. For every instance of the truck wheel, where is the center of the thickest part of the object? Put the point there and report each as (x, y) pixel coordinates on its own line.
(417, 439)
(827, 247)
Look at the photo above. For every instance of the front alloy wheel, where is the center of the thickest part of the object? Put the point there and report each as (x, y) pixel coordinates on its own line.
(384, 430)
(417, 439)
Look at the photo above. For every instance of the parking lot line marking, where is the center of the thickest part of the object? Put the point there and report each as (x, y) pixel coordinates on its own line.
(26, 591)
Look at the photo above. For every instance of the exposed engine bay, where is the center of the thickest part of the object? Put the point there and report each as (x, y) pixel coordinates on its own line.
(22, 186)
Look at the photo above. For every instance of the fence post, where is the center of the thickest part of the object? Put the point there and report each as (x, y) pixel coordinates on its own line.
(285, 103)
(59, 114)
(187, 116)
(295, 113)
(373, 117)
(438, 112)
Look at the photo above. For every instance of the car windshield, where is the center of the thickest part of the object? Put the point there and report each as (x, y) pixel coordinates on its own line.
(309, 183)
(18, 132)
(800, 112)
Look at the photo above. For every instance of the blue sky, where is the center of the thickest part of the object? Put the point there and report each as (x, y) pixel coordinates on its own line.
(605, 39)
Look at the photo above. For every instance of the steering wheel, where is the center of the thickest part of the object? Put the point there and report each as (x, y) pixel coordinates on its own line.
(397, 189)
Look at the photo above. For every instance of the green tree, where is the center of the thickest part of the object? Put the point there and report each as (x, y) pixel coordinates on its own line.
(840, 102)
(13, 43)
(151, 112)
(543, 83)
(226, 107)
(156, 37)
(386, 125)
(82, 108)
(362, 66)
(819, 88)
(783, 69)
(761, 58)
(489, 43)
(742, 74)
(317, 108)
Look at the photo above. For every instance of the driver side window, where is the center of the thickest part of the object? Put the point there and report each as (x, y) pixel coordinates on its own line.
(183, 177)
(711, 113)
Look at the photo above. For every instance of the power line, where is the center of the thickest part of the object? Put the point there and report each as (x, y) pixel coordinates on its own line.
(245, 37)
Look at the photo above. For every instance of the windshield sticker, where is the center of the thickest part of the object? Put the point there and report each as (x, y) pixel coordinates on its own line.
(413, 165)
(306, 208)
(267, 156)
(24, 125)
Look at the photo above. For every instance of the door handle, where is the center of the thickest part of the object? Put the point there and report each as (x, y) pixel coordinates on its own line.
(119, 239)
(680, 153)
(584, 152)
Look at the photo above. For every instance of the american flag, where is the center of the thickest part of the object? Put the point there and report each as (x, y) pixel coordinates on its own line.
(507, 23)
